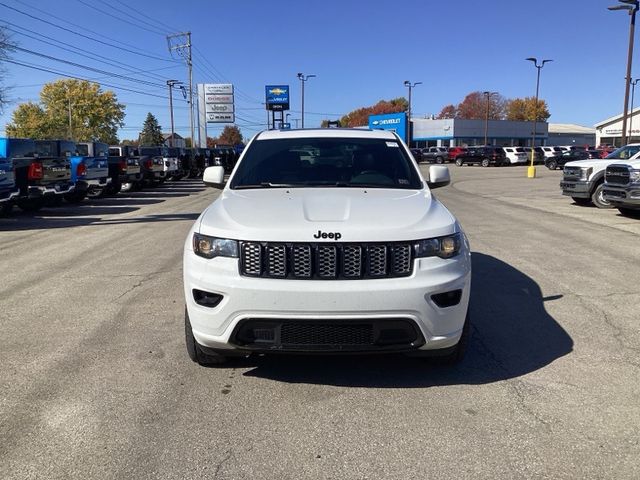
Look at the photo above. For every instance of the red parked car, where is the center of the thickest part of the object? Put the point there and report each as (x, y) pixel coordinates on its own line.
(454, 152)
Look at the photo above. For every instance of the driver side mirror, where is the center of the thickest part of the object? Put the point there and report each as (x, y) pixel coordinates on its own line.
(438, 176)
(214, 177)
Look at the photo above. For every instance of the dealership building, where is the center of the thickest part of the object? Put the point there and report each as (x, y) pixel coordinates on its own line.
(453, 132)
(609, 131)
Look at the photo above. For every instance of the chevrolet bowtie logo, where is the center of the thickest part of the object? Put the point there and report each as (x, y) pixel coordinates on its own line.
(277, 91)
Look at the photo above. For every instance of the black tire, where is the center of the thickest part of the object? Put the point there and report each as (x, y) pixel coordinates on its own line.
(485, 162)
(96, 193)
(75, 196)
(459, 162)
(30, 204)
(439, 160)
(581, 201)
(5, 209)
(53, 201)
(598, 199)
(113, 189)
(629, 212)
(552, 164)
(193, 348)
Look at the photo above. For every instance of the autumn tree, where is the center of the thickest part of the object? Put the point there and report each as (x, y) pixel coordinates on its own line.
(524, 109)
(151, 133)
(360, 116)
(474, 107)
(74, 109)
(211, 142)
(231, 135)
(448, 111)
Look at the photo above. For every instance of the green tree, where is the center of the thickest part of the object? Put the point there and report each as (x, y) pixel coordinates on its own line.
(230, 135)
(151, 131)
(523, 109)
(74, 109)
(360, 116)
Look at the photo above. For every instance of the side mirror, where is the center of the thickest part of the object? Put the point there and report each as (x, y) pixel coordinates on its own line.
(438, 176)
(213, 177)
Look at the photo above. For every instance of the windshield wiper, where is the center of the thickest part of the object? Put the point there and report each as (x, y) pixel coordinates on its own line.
(267, 185)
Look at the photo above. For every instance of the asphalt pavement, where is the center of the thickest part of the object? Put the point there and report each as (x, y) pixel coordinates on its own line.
(96, 383)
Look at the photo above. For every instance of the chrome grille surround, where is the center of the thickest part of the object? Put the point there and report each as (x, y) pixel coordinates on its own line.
(326, 261)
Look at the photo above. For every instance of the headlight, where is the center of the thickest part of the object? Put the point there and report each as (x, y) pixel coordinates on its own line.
(585, 173)
(211, 247)
(634, 176)
(443, 247)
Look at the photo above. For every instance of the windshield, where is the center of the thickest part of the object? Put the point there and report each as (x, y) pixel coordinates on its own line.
(340, 162)
(624, 153)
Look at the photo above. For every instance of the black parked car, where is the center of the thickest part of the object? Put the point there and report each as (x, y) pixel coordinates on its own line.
(569, 156)
(484, 156)
(417, 154)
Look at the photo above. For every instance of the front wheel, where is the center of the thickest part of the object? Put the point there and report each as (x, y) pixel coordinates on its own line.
(552, 164)
(485, 162)
(75, 196)
(459, 162)
(439, 160)
(598, 198)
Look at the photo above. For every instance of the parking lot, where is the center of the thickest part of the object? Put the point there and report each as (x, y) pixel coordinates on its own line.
(96, 381)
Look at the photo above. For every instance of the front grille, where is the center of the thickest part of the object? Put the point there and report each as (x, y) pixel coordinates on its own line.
(325, 261)
(618, 175)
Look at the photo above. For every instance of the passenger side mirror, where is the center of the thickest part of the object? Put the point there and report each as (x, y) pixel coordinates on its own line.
(438, 176)
(213, 177)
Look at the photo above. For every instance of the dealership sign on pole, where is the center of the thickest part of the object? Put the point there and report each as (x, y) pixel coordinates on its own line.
(215, 105)
(277, 97)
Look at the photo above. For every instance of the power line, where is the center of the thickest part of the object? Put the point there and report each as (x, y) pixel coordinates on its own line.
(97, 70)
(164, 25)
(43, 69)
(87, 54)
(118, 18)
(80, 34)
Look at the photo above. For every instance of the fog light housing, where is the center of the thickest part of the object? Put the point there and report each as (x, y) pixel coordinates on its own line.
(206, 299)
(447, 299)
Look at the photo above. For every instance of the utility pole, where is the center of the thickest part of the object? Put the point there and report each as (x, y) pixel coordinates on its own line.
(486, 117)
(171, 84)
(409, 85)
(181, 43)
(303, 79)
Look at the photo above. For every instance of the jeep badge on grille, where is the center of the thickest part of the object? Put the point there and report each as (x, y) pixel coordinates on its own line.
(332, 235)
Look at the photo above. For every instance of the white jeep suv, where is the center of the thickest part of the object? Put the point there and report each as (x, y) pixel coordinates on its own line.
(349, 254)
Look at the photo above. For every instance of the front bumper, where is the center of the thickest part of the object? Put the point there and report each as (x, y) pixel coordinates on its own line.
(576, 188)
(311, 302)
(627, 196)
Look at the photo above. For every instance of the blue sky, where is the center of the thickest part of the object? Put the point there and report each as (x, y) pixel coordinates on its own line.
(361, 52)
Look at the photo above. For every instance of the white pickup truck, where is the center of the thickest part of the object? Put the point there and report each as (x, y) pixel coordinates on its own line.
(622, 187)
(583, 180)
(349, 254)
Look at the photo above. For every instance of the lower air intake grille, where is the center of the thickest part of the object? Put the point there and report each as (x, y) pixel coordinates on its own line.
(301, 334)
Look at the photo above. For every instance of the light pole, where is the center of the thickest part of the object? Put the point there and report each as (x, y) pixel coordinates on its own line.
(633, 88)
(303, 78)
(486, 117)
(632, 7)
(410, 86)
(171, 84)
(531, 171)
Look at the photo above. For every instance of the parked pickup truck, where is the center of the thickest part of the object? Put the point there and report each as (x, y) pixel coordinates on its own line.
(583, 180)
(172, 164)
(622, 187)
(40, 174)
(124, 168)
(89, 171)
(9, 191)
(152, 163)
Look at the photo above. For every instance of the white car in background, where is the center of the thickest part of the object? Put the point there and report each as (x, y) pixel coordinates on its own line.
(516, 155)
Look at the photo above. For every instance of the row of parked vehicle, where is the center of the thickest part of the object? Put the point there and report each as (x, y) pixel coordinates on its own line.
(487, 155)
(610, 182)
(34, 173)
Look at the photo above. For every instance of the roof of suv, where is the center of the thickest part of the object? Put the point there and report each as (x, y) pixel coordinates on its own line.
(327, 132)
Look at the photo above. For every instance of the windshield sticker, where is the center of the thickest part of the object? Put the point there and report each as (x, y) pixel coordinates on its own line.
(392, 144)
(403, 181)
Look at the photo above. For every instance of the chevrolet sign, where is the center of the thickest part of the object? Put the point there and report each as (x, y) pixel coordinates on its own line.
(277, 97)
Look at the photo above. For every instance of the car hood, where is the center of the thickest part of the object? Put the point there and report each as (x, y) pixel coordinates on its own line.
(595, 163)
(297, 215)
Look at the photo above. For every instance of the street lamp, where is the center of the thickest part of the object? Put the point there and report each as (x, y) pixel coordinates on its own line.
(171, 84)
(632, 7)
(303, 78)
(633, 88)
(410, 85)
(486, 118)
(531, 171)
